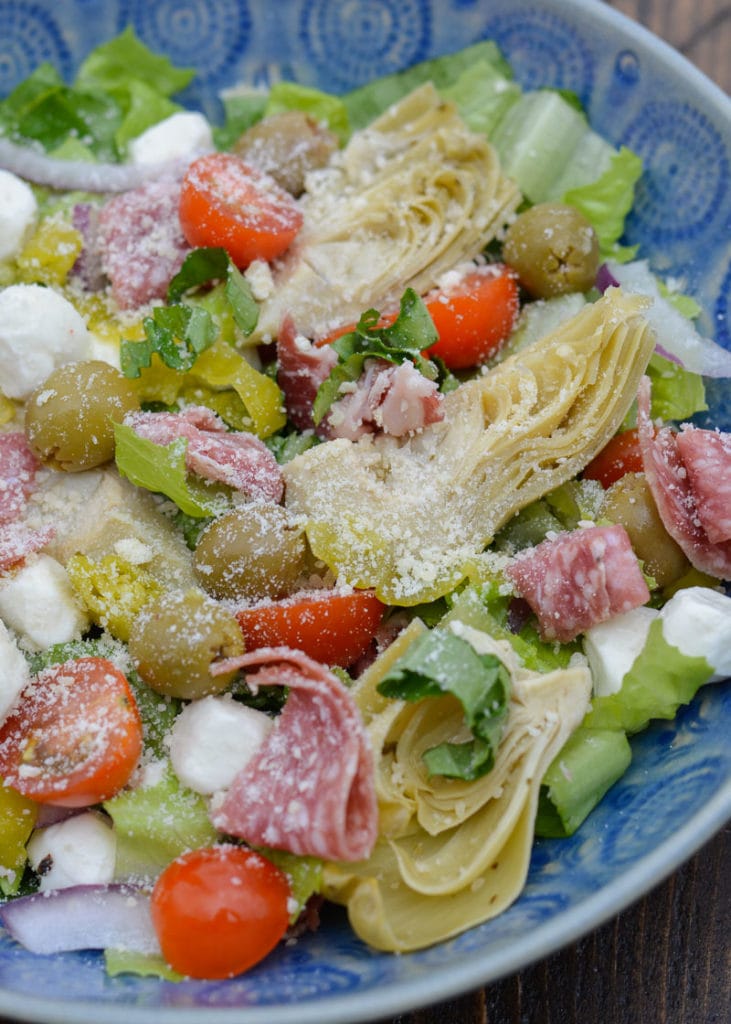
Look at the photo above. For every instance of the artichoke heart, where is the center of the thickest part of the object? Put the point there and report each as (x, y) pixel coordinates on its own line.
(410, 197)
(410, 516)
(452, 854)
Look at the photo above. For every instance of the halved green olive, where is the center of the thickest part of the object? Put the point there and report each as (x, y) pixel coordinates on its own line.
(252, 553)
(175, 639)
(68, 418)
(554, 250)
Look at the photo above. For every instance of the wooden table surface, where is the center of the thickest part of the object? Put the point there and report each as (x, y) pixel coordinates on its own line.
(667, 959)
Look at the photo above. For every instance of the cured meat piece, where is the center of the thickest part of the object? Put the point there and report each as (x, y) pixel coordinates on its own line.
(579, 579)
(240, 460)
(670, 483)
(396, 400)
(301, 369)
(17, 541)
(706, 455)
(310, 787)
(18, 467)
(141, 241)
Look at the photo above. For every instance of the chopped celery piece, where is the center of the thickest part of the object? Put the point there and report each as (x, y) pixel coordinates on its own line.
(591, 158)
(589, 764)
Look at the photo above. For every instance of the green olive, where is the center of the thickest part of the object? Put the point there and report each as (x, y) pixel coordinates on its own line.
(175, 639)
(629, 502)
(252, 553)
(554, 250)
(287, 146)
(68, 418)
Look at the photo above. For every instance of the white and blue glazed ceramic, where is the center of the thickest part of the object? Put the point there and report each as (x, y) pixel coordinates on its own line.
(677, 792)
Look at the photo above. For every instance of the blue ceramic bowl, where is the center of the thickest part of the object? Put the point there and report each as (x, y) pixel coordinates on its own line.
(678, 791)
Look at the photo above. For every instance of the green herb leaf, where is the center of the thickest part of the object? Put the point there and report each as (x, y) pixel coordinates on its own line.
(214, 264)
(178, 334)
(438, 663)
(410, 333)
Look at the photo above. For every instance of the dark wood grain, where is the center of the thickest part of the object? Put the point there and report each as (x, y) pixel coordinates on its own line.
(666, 959)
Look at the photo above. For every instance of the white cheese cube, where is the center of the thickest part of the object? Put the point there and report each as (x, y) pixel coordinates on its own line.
(39, 603)
(18, 209)
(184, 134)
(14, 672)
(612, 647)
(39, 331)
(78, 851)
(698, 622)
(212, 739)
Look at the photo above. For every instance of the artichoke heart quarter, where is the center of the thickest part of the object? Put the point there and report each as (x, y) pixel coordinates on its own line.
(410, 197)
(458, 852)
(409, 516)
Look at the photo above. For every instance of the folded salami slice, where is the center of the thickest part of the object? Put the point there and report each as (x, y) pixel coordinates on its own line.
(310, 787)
(692, 498)
(238, 459)
(579, 579)
(18, 467)
(302, 367)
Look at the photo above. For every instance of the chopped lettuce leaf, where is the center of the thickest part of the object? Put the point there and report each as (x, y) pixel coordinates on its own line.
(242, 108)
(677, 393)
(124, 961)
(319, 105)
(440, 662)
(141, 108)
(588, 765)
(304, 873)
(156, 823)
(125, 57)
(410, 333)
(161, 468)
(483, 94)
(606, 202)
(367, 102)
(661, 679)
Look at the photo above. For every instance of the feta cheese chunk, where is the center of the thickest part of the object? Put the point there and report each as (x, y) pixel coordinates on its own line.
(14, 672)
(698, 622)
(186, 133)
(612, 647)
(18, 209)
(78, 851)
(39, 331)
(212, 739)
(39, 603)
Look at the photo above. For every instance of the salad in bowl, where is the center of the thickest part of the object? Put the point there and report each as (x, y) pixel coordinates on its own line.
(357, 504)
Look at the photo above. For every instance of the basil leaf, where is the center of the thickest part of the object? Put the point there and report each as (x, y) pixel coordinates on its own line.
(410, 333)
(214, 264)
(178, 334)
(438, 663)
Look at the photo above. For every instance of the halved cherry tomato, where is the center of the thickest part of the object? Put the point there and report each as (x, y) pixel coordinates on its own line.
(474, 318)
(225, 202)
(333, 628)
(621, 455)
(75, 735)
(219, 910)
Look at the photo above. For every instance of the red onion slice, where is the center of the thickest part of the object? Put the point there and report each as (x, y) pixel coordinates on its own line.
(72, 175)
(82, 917)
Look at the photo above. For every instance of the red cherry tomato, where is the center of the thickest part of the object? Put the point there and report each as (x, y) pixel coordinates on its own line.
(333, 628)
(219, 910)
(75, 735)
(225, 202)
(621, 455)
(474, 318)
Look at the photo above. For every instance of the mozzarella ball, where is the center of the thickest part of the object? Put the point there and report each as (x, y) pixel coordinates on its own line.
(39, 331)
(18, 209)
(184, 134)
